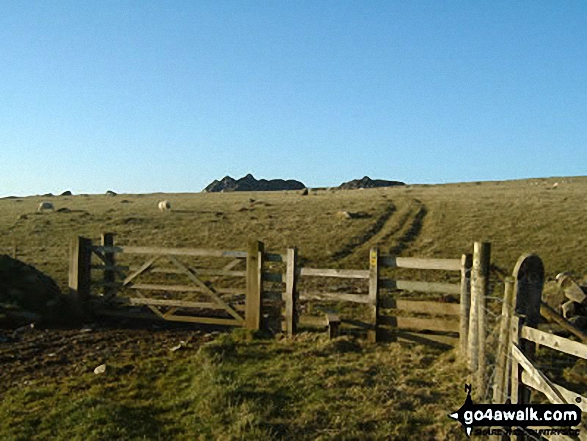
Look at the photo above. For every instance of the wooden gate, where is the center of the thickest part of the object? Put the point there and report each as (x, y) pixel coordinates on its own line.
(175, 284)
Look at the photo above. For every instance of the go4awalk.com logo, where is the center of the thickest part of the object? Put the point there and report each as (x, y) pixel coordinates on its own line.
(472, 415)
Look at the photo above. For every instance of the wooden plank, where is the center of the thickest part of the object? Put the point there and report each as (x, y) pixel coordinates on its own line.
(172, 251)
(407, 285)
(110, 289)
(204, 320)
(550, 314)
(555, 342)
(544, 385)
(480, 282)
(420, 263)
(500, 385)
(273, 277)
(197, 271)
(170, 288)
(151, 307)
(291, 295)
(421, 306)
(465, 302)
(206, 289)
(420, 323)
(343, 273)
(254, 285)
(167, 302)
(429, 339)
(335, 297)
(372, 334)
(569, 396)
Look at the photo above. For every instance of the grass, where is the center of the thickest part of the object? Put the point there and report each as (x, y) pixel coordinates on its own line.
(304, 389)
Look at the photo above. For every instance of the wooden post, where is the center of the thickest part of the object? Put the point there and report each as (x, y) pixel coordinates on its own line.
(502, 370)
(80, 272)
(466, 263)
(291, 292)
(333, 322)
(107, 240)
(477, 326)
(373, 293)
(254, 285)
(518, 392)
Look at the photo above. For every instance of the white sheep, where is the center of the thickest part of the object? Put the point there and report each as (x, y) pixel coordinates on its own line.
(164, 206)
(45, 206)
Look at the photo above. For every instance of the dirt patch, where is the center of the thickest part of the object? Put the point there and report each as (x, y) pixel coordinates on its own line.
(30, 355)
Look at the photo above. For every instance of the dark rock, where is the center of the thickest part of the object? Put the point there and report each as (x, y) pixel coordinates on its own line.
(249, 183)
(304, 192)
(367, 182)
(67, 193)
(25, 287)
(110, 193)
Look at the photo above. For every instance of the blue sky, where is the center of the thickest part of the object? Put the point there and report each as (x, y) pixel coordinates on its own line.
(147, 96)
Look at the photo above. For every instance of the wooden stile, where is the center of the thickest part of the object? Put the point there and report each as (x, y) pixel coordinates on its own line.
(500, 389)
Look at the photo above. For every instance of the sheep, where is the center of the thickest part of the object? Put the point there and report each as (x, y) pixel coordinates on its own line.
(164, 206)
(45, 206)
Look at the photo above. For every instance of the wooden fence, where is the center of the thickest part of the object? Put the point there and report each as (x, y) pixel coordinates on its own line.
(516, 373)
(201, 298)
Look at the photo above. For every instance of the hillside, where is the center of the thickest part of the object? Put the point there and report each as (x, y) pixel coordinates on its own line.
(239, 386)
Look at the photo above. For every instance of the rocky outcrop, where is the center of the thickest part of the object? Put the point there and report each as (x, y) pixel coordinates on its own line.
(367, 182)
(23, 286)
(249, 183)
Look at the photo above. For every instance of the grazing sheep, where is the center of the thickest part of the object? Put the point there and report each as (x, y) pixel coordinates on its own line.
(555, 185)
(164, 206)
(45, 206)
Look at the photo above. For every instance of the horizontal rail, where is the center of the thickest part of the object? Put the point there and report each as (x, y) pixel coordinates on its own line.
(183, 288)
(424, 307)
(312, 321)
(420, 323)
(170, 251)
(111, 267)
(555, 342)
(570, 396)
(204, 320)
(406, 285)
(415, 337)
(344, 273)
(419, 263)
(166, 302)
(335, 296)
(196, 271)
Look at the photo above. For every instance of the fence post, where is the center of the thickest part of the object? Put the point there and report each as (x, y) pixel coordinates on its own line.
(477, 326)
(502, 370)
(291, 292)
(373, 293)
(107, 240)
(466, 263)
(518, 393)
(80, 273)
(254, 285)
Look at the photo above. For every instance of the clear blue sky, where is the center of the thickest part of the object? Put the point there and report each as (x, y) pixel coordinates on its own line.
(146, 96)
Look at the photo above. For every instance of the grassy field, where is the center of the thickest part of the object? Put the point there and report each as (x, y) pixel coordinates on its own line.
(306, 388)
